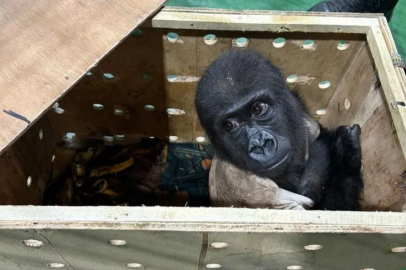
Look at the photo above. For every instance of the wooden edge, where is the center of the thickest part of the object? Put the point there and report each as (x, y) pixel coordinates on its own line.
(390, 81)
(199, 219)
(209, 19)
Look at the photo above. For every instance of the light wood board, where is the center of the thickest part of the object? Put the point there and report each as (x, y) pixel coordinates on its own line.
(46, 46)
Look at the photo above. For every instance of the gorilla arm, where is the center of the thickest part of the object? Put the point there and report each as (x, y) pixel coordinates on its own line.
(230, 186)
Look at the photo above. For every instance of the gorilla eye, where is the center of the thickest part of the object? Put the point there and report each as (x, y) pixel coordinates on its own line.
(258, 108)
(229, 125)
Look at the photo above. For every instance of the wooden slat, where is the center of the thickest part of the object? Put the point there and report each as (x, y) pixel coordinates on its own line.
(200, 219)
(204, 19)
(46, 46)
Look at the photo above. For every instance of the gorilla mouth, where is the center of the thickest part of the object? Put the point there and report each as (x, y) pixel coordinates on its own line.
(275, 165)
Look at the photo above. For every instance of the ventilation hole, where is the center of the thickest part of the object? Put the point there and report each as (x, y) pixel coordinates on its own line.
(173, 138)
(241, 42)
(69, 136)
(398, 249)
(151, 137)
(59, 110)
(172, 78)
(149, 107)
(172, 37)
(29, 181)
(321, 111)
(294, 267)
(200, 139)
(279, 42)
(33, 243)
(137, 32)
(98, 107)
(119, 112)
(174, 111)
(41, 134)
(210, 39)
(343, 45)
(134, 265)
(53, 158)
(108, 75)
(119, 137)
(56, 265)
(89, 74)
(292, 78)
(118, 242)
(324, 84)
(108, 138)
(146, 77)
(219, 245)
(213, 265)
(313, 247)
(308, 44)
(347, 104)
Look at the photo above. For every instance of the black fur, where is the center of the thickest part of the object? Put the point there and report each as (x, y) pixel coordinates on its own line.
(273, 143)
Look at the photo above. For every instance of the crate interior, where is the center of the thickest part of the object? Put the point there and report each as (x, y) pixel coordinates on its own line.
(126, 97)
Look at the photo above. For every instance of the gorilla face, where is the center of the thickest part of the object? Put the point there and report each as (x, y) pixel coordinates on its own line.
(250, 116)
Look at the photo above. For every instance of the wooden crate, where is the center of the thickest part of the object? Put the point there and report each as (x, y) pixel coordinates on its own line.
(48, 57)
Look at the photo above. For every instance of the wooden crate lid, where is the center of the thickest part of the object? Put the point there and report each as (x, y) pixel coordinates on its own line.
(47, 46)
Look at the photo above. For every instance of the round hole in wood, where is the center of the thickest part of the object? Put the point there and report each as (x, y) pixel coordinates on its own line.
(172, 78)
(118, 112)
(313, 247)
(108, 138)
(108, 75)
(321, 111)
(98, 107)
(292, 78)
(134, 265)
(137, 32)
(173, 138)
(59, 110)
(343, 45)
(41, 134)
(308, 44)
(33, 243)
(324, 84)
(347, 104)
(241, 42)
(117, 242)
(151, 137)
(279, 42)
(172, 37)
(56, 265)
(398, 249)
(294, 267)
(149, 107)
(200, 139)
(119, 137)
(210, 39)
(29, 181)
(219, 245)
(213, 266)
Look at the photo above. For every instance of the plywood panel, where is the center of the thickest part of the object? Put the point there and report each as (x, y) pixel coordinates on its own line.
(30, 157)
(47, 46)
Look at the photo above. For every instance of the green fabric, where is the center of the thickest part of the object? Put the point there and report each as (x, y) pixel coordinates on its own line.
(396, 24)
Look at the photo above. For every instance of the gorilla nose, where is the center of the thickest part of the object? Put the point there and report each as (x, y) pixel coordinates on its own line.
(260, 142)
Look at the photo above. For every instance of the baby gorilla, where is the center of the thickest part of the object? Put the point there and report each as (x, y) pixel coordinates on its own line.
(257, 124)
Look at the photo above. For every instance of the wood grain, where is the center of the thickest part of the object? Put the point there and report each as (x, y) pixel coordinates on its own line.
(47, 46)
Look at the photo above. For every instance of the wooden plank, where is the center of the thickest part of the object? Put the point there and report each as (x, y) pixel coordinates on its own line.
(90, 249)
(200, 219)
(390, 83)
(48, 45)
(29, 158)
(205, 19)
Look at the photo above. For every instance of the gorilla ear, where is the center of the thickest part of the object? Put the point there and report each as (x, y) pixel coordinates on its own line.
(313, 128)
